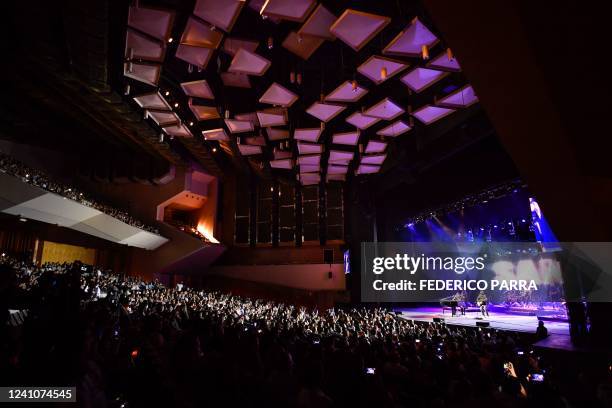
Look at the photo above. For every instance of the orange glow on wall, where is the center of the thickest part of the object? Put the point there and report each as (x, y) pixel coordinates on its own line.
(207, 232)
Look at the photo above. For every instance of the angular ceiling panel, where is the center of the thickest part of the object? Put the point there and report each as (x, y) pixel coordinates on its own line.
(375, 146)
(294, 10)
(346, 93)
(163, 118)
(324, 111)
(379, 69)
(198, 56)
(222, 14)
(395, 129)
(202, 112)
(200, 34)
(278, 95)
(247, 62)
(346, 138)
(461, 98)
(340, 156)
(429, 113)
(198, 89)
(361, 121)
(410, 41)
(239, 126)
(309, 148)
(154, 22)
(179, 130)
(312, 160)
(318, 24)
(232, 45)
(248, 150)
(267, 119)
(286, 164)
(444, 63)
(384, 109)
(215, 134)
(376, 159)
(357, 28)
(421, 78)
(308, 135)
(146, 73)
(367, 169)
(277, 134)
(302, 45)
(141, 47)
(152, 100)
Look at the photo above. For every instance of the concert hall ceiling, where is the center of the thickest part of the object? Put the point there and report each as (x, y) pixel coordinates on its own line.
(357, 91)
(304, 91)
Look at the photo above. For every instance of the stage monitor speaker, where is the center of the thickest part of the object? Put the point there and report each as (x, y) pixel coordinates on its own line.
(483, 324)
(438, 320)
(328, 256)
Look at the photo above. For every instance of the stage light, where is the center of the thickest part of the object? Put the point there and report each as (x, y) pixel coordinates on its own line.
(176, 105)
(214, 150)
(170, 40)
(167, 93)
(190, 123)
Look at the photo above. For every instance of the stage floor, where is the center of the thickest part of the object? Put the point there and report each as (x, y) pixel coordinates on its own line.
(500, 321)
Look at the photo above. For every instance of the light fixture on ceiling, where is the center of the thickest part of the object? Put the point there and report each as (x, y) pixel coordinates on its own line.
(190, 123)
(299, 78)
(360, 148)
(176, 104)
(189, 68)
(214, 149)
(270, 43)
(425, 51)
(449, 54)
(167, 93)
(170, 40)
(383, 73)
(161, 137)
(354, 85)
(292, 77)
(227, 114)
(127, 90)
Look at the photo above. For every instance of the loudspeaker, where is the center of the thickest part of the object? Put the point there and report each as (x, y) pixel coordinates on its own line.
(328, 256)
(438, 320)
(483, 324)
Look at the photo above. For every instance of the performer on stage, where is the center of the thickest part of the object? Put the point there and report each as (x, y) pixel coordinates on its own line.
(458, 300)
(482, 301)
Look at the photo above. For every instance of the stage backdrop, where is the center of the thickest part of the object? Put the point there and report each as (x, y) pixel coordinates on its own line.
(56, 252)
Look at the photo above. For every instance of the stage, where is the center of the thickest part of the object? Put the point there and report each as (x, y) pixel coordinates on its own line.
(497, 320)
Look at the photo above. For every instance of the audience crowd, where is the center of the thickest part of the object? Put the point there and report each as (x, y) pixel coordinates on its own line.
(37, 178)
(125, 342)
